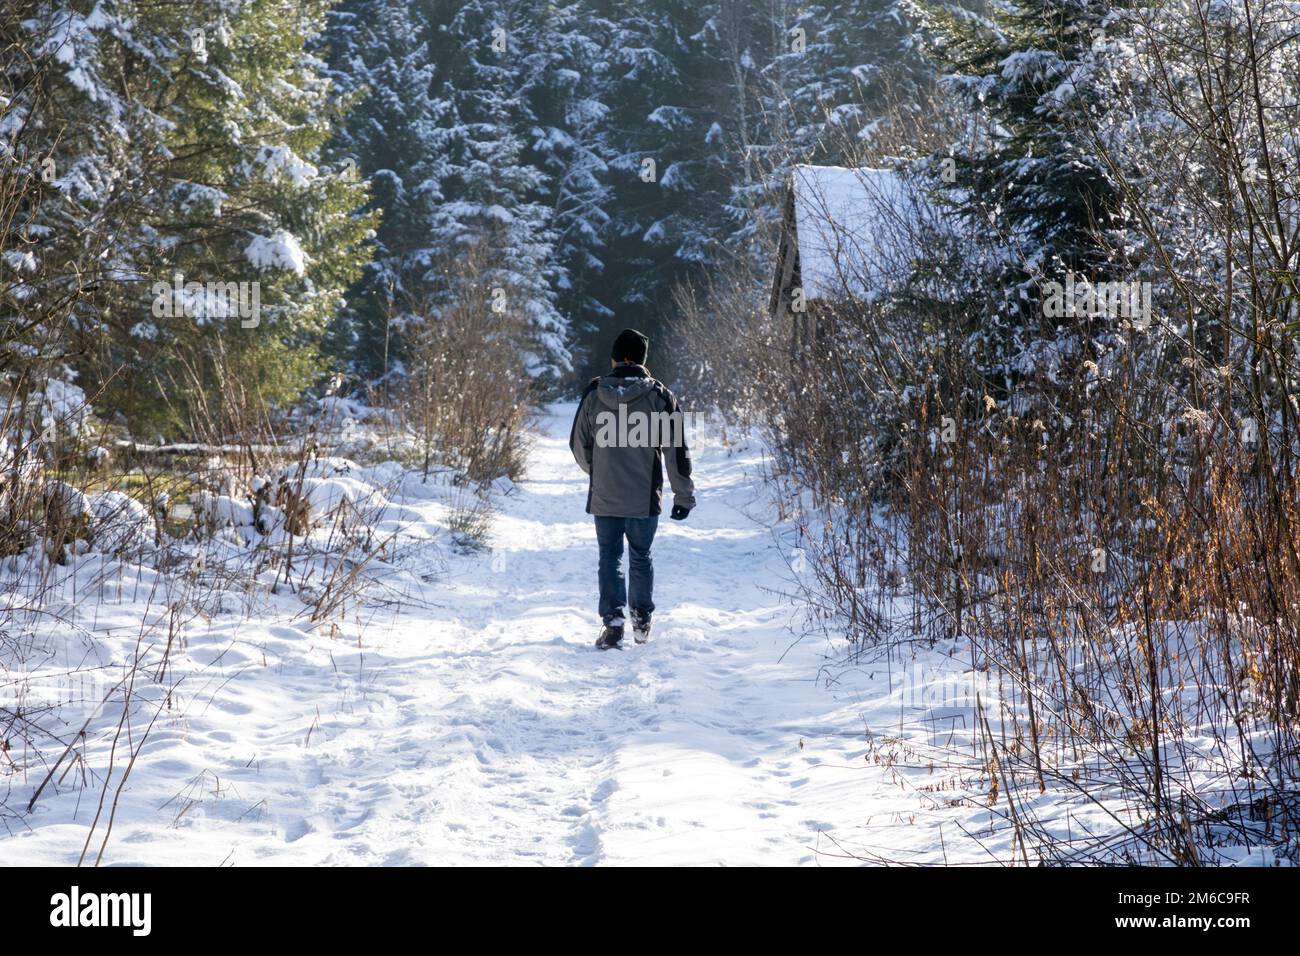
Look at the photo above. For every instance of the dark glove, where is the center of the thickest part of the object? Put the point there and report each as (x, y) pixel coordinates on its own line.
(680, 513)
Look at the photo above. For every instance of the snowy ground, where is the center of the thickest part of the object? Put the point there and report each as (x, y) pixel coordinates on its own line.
(484, 727)
(458, 712)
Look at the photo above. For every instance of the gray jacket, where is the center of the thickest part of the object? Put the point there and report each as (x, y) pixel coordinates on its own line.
(627, 423)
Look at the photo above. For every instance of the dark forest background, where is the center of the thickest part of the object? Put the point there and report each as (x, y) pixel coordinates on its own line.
(605, 150)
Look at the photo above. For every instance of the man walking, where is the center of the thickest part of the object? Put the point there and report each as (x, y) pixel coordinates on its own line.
(627, 425)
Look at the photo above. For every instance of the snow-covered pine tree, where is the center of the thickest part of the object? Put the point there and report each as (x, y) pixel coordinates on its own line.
(492, 196)
(565, 114)
(378, 53)
(1025, 182)
(56, 237)
(665, 81)
(1026, 71)
(187, 136)
(845, 60)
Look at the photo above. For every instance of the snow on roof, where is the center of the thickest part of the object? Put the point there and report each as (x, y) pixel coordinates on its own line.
(853, 229)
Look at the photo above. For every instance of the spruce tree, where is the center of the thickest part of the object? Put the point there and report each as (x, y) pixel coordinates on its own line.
(664, 76)
(379, 55)
(1026, 70)
(492, 196)
(188, 137)
(564, 115)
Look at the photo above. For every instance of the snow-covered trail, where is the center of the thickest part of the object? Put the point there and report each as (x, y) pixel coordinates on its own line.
(507, 737)
(485, 728)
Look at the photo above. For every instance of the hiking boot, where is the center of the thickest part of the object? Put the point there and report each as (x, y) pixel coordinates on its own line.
(611, 635)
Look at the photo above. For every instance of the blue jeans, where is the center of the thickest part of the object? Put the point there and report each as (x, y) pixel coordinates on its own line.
(640, 534)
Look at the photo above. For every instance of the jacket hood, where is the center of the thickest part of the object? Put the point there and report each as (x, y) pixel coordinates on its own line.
(623, 385)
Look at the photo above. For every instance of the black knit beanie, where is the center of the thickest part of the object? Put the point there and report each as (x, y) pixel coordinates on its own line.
(630, 346)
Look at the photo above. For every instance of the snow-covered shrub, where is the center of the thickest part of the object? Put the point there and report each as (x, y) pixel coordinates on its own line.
(1099, 512)
(120, 525)
(215, 511)
(98, 457)
(68, 517)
